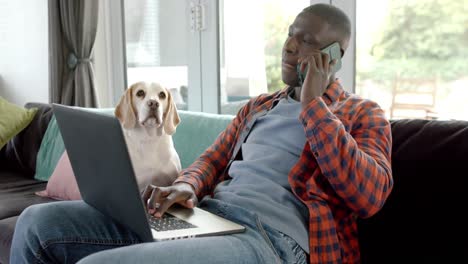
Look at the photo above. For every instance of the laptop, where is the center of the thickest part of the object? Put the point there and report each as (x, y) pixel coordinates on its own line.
(101, 163)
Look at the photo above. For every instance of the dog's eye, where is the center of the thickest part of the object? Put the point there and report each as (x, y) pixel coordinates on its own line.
(140, 93)
(162, 95)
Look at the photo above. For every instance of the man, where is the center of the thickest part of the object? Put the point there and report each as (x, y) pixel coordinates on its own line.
(296, 167)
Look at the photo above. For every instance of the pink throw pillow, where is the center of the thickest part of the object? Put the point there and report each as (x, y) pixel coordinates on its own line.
(62, 184)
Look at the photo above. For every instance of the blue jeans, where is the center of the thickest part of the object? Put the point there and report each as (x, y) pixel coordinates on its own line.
(72, 231)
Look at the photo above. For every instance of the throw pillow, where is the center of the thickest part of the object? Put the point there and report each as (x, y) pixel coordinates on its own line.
(52, 146)
(62, 184)
(50, 151)
(208, 127)
(13, 119)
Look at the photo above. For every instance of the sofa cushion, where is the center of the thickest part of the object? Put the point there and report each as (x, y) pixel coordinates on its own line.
(21, 151)
(17, 193)
(62, 184)
(51, 150)
(190, 145)
(423, 219)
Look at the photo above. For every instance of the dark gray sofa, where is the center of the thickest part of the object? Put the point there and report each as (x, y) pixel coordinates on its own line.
(422, 222)
(17, 168)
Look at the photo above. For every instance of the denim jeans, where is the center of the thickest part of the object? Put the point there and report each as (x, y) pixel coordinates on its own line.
(72, 231)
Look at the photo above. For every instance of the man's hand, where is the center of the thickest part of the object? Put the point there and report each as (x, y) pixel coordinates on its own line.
(159, 199)
(317, 76)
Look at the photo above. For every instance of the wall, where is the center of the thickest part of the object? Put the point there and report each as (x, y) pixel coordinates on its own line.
(24, 74)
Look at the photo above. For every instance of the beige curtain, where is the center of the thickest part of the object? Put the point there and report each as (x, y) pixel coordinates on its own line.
(72, 33)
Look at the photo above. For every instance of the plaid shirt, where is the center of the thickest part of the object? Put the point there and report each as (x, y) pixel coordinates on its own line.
(343, 172)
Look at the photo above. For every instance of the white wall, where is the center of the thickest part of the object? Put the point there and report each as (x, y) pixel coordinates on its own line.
(24, 70)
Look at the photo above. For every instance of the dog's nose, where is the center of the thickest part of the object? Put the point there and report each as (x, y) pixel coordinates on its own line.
(153, 103)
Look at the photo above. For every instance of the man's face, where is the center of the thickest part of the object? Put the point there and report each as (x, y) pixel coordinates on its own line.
(307, 33)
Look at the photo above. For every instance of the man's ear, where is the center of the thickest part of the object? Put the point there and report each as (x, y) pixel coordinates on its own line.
(171, 117)
(124, 110)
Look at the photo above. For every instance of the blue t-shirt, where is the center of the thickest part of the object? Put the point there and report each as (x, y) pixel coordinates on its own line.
(260, 180)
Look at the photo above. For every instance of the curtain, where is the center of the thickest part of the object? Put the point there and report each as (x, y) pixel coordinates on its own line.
(72, 33)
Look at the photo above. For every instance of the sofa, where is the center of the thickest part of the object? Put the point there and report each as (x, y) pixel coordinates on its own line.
(422, 221)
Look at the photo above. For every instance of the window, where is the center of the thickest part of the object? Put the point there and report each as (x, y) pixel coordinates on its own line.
(156, 35)
(252, 34)
(408, 56)
(411, 57)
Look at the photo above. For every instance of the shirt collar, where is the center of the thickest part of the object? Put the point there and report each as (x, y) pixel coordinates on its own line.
(332, 94)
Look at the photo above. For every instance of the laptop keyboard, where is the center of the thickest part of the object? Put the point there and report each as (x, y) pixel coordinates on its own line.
(168, 222)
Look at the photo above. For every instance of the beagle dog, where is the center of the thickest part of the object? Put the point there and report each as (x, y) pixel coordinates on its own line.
(148, 116)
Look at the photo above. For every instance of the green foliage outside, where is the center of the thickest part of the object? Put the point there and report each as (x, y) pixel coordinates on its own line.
(421, 39)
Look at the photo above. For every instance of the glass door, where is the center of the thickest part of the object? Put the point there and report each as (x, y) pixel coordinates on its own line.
(157, 45)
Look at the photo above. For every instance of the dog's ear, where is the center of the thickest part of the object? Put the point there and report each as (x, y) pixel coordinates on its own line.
(124, 110)
(171, 117)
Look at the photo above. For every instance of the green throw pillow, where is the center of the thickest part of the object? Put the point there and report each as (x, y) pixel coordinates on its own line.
(52, 146)
(196, 132)
(13, 119)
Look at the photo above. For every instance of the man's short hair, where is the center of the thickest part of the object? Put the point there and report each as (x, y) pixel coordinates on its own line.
(333, 16)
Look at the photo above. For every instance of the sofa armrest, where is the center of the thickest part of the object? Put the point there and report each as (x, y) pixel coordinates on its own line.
(21, 151)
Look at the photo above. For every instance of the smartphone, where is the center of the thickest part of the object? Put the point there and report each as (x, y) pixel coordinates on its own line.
(334, 52)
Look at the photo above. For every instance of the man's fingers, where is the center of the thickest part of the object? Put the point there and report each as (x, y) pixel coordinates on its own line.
(152, 200)
(314, 63)
(191, 202)
(147, 192)
(318, 61)
(302, 65)
(332, 66)
(325, 60)
(157, 194)
(165, 204)
(161, 198)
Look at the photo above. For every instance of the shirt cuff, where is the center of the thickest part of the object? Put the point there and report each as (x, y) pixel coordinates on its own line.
(192, 183)
(314, 115)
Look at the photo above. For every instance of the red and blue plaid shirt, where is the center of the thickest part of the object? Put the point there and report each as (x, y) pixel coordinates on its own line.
(344, 171)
